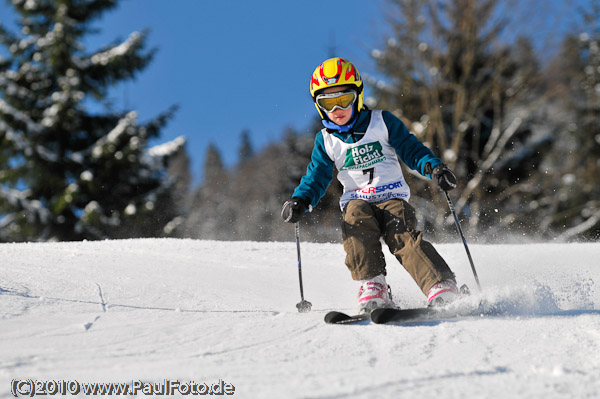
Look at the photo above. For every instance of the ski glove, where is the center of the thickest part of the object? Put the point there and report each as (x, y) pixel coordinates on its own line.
(293, 209)
(443, 176)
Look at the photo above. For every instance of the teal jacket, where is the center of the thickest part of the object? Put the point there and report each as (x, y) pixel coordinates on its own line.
(319, 173)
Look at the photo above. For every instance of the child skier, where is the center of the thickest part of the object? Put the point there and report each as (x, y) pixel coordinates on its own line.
(364, 146)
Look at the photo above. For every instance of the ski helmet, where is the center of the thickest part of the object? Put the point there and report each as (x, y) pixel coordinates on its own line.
(336, 72)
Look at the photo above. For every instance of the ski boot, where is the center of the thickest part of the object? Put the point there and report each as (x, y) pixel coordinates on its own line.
(374, 293)
(442, 293)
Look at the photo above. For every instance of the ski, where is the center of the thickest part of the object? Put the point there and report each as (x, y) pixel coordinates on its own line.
(387, 315)
(335, 317)
(417, 315)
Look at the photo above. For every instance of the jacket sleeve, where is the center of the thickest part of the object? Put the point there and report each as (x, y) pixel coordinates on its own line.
(409, 149)
(319, 174)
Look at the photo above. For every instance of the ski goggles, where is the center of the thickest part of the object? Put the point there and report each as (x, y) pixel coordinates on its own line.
(328, 102)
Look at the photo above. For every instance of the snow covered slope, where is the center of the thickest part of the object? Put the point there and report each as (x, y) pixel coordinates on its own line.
(204, 311)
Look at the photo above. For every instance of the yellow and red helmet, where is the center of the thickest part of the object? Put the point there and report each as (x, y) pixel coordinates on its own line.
(336, 72)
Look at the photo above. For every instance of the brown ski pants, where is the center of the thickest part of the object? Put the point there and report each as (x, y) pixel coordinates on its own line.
(394, 221)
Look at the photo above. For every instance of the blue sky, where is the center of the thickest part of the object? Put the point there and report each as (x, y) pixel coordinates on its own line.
(233, 64)
(239, 64)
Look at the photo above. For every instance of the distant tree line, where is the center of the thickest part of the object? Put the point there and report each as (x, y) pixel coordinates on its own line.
(522, 135)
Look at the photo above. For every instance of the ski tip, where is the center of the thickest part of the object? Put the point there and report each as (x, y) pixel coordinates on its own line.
(331, 317)
(335, 317)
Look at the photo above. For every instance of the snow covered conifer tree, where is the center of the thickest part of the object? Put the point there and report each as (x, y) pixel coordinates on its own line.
(211, 209)
(68, 173)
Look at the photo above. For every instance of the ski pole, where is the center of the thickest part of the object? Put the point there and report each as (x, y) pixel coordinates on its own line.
(451, 206)
(303, 306)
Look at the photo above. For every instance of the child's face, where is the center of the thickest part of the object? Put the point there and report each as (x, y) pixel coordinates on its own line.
(339, 116)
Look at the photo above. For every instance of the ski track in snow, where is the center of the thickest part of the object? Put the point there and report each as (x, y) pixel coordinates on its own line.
(117, 311)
